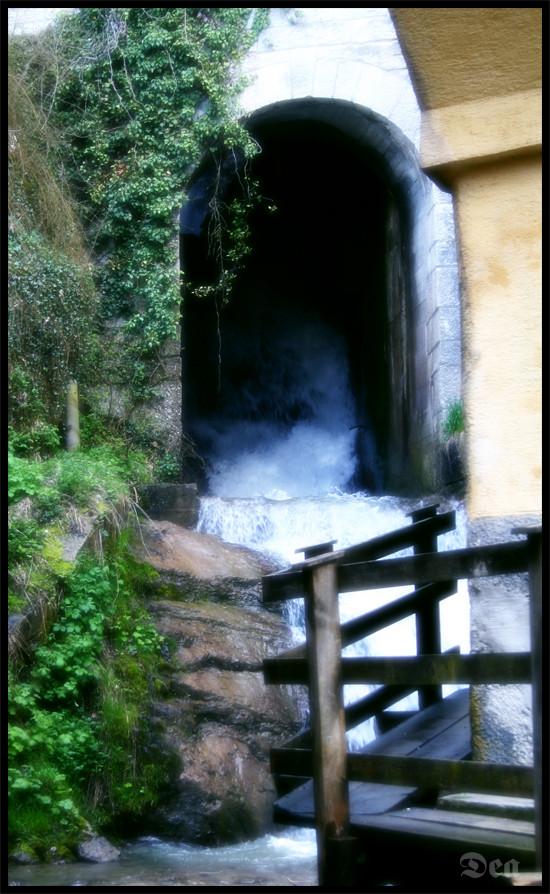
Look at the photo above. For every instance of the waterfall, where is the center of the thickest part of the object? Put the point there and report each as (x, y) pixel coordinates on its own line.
(279, 527)
(281, 454)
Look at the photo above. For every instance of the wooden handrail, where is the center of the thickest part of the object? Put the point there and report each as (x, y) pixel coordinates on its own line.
(320, 578)
(403, 607)
(458, 564)
(282, 585)
(450, 775)
(413, 670)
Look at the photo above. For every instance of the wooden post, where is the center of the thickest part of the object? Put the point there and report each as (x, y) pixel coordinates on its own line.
(328, 726)
(534, 539)
(428, 627)
(72, 438)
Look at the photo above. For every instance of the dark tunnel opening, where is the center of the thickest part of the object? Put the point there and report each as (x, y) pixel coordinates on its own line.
(303, 342)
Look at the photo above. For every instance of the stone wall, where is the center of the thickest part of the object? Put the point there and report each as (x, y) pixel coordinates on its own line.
(350, 59)
(353, 56)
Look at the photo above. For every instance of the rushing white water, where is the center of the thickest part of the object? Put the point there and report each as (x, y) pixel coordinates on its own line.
(285, 859)
(283, 454)
(280, 527)
(287, 425)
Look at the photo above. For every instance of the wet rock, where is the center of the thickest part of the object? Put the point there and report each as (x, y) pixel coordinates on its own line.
(169, 547)
(24, 856)
(97, 850)
(213, 712)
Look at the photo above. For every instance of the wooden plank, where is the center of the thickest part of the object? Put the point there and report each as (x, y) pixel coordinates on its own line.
(297, 808)
(318, 549)
(435, 773)
(358, 628)
(424, 734)
(458, 818)
(458, 564)
(414, 671)
(403, 827)
(480, 667)
(326, 702)
(402, 538)
(427, 726)
(452, 742)
(282, 585)
(442, 729)
(355, 713)
(428, 628)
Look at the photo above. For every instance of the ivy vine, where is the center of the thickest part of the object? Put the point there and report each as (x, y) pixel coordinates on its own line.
(147, 93)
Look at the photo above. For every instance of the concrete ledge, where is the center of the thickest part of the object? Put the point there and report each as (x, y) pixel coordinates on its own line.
(481, 130)
(494, 805)
(178, 503)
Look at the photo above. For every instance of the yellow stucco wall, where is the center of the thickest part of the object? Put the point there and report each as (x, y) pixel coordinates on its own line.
(498, 211)
(462, 53)
(477, 73)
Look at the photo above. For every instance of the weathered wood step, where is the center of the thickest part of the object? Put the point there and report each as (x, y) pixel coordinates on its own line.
(455, 832)
(442, 730)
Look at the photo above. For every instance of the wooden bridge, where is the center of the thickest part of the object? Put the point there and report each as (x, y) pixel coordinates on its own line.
(389, 813)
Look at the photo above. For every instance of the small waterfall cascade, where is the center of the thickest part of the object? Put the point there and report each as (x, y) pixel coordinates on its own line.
(282, 458)
(278, 527)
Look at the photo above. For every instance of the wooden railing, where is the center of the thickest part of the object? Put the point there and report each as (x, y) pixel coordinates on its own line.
(321, 752)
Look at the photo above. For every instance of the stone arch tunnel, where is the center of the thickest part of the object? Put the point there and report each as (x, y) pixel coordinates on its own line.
(327, 300)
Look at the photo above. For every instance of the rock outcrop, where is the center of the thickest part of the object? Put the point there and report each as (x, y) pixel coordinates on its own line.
(213, 713)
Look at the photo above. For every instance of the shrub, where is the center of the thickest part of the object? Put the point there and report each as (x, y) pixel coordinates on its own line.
(24, 478)
(454, 420)
(52, 322)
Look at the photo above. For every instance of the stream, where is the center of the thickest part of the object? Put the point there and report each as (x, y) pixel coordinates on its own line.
(277, 488)
(286, 858)
(278, 527)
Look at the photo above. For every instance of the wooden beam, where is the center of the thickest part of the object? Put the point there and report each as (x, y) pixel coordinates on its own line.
(427, 622)
(425, 670)
(414, 671)
(477, 561)
(326, 700)
(289, 584)
(394, 541)
(471, 562)
(426, 773)
(456, 776)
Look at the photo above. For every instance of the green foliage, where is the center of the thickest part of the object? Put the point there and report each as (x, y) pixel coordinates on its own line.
(52, 313)
(149, 92)
(25, 539)
(38, 441)
(52, 304)
(454, 420)
(167, 468)
(24, 478)
(76, 713)
(141, 94)
(100, 471)
(116, 108)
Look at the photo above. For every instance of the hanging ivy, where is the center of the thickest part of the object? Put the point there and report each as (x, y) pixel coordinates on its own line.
(146, 93)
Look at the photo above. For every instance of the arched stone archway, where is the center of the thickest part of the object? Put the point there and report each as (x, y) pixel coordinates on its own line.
(340, 267)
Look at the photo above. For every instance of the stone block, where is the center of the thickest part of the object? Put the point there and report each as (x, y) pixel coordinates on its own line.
(178, 503)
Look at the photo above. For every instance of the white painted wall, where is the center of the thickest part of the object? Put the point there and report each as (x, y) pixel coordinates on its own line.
(353, 55)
